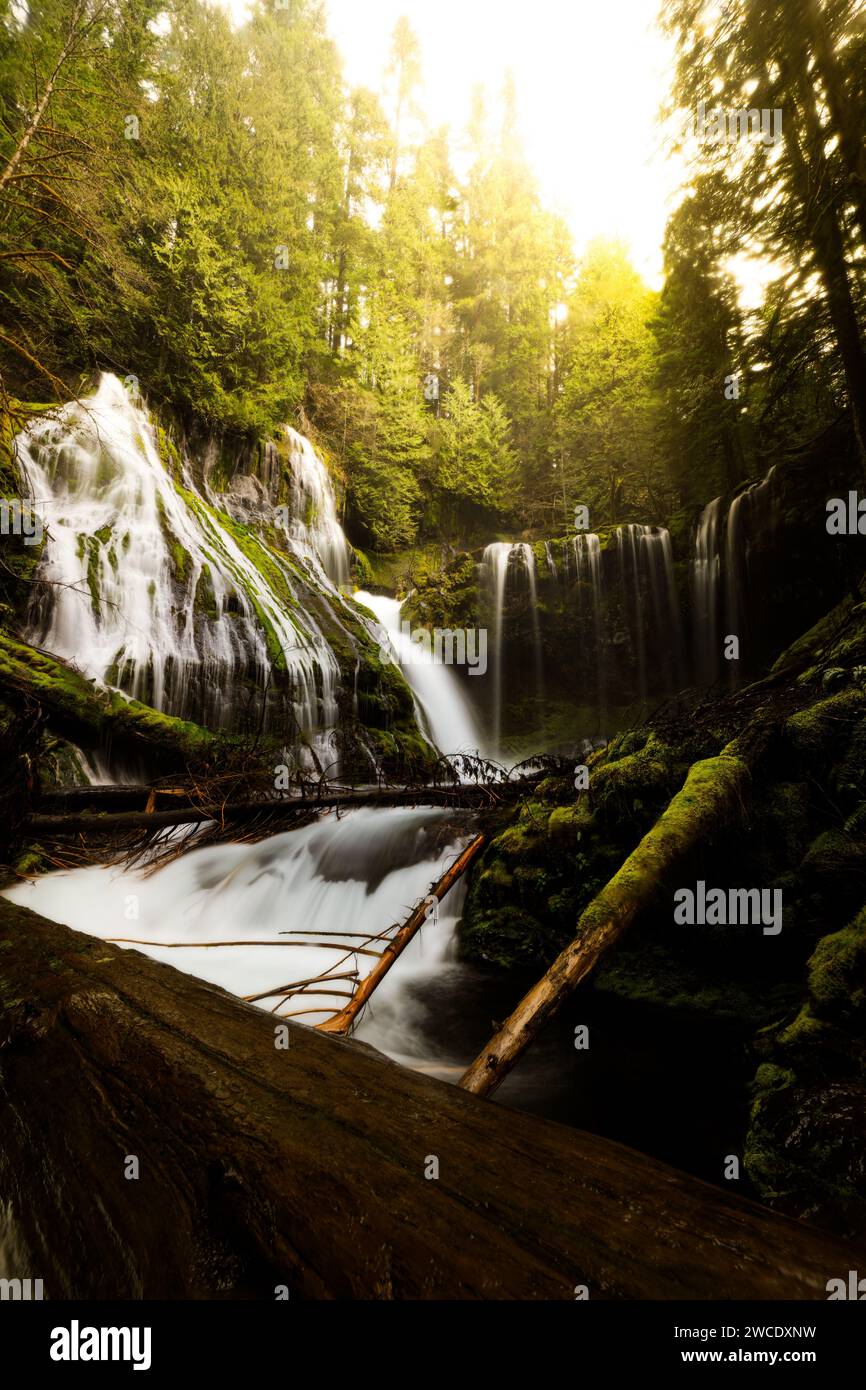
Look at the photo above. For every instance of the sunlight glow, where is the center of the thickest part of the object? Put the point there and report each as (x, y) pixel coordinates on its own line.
(590, 80)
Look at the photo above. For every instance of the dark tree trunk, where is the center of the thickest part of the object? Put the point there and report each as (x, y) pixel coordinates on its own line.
(305, 1167)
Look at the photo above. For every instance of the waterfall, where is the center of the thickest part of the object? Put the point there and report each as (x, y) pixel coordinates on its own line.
(441, 707)
(313, 531)
(628, 632)
(626, 538)
(508, 566)
(358, 873)
(724, 575)
(494, 572)
(586, 548)
(151, 588)
(657, 552)
(750, 512)
(706, 571)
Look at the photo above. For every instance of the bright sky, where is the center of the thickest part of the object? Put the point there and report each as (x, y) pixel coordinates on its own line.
(590, 77)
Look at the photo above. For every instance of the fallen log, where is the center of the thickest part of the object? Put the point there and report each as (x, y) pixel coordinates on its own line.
(119, 822)
(304, 1167)
(105, 795)
(342, 1022)
(714, 790)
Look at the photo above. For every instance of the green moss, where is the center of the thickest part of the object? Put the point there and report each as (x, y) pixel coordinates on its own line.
(805, 1031)
(568, 824)
(180, 560)
(204, 601)
(661, 974)
(444, 597)
(169, 454)
(822, 728)
(79, 709)
(362, 570)
(639, 782)
(837, 970)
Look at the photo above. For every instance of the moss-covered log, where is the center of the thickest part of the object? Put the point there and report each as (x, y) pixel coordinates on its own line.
(311, 1166)
(714, 790)
(79, 710)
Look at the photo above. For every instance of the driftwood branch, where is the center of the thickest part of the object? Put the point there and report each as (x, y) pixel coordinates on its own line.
(342, 1022)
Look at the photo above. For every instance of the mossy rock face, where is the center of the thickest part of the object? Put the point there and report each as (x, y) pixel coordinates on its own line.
(506, 938)
(823, 730)
(20, 559)
(804, 1151)
(552, 860)
(638, 784)
(60, 765)
(445, 598)
(782, 823)
(361, 569)
(834, 868)
(690, 979)
(848, 779)
(837, 972)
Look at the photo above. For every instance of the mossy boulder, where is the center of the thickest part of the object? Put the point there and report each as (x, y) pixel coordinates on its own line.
(837, 971)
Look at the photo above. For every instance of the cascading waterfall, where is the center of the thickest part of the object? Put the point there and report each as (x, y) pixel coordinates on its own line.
(441, 707)
(706, 573)
(750, 512)
(723, 575)
(658, 562)
(652, 608)
(627, 618)
(627, 538)
(510, 566)
(309, 518)
(586, 549)
(150, 589)
(494, 572)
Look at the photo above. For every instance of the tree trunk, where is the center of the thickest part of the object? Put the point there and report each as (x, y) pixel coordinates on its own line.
(33, 124)
(306, 1167)
(120, 822)
(844, 113)
(713, 791)
(812, 179)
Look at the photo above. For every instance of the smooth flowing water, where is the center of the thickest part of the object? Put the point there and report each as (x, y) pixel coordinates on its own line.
(442, 709)
(147, 590)
(723, 576)
(706, 574)
(508, 572)
(337, 880)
